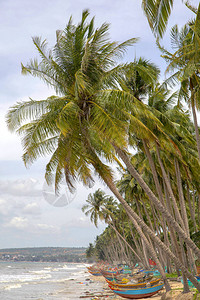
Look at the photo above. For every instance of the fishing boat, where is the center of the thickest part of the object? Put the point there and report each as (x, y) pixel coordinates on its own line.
(190, 283)
(108, 272)
(109, 275)
(138, 293)
(133, 285)
(94, 271)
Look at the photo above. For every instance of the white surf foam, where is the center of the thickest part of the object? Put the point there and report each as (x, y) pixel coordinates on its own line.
(23, 277)
(12, 286)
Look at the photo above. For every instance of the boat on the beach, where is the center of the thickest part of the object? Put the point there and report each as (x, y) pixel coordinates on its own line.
(94, 271)
(109, 275)
(190, 283)
(125, 278)
(134, 285)
(108, 272)
(137, 293)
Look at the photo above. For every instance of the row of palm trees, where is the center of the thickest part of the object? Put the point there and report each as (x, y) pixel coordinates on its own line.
(106, 113)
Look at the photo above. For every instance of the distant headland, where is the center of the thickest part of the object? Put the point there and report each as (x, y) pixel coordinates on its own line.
(44, 254)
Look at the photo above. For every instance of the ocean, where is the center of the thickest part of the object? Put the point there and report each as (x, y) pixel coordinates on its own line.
(44, 281)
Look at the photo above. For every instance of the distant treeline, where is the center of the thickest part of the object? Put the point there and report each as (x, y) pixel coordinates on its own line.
(55, 254)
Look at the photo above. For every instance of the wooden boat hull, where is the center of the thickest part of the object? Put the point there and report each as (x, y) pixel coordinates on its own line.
(138, 293)
(134, 285)
(109, 273)
(94, 273)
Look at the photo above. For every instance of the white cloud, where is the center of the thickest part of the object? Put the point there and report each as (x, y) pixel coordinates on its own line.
(4, 207)
(26, 225)
(17, 223)
(21, 187)
(79, 222)
(32, 209)
(47, 227)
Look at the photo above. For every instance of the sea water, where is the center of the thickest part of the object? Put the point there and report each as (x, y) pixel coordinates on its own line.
(42, 280)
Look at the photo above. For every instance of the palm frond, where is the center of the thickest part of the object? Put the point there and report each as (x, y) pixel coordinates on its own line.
(157, 13)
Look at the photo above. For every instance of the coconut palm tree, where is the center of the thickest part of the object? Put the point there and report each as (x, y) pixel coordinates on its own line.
(93, 206)
(103, 207)
(87, 121)
(185, 63)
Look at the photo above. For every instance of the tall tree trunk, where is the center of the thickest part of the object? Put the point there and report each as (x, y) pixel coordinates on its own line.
(181, 196)
(125, 241)
(153, 253)
(135, 218)
(184, 214)
(160, 196)
(168, 185)
(139, 248)
(198, 211)
(196, 128)
(192, 210)
(174, 240)
(156, 202)
(126, 247)
(195, 117)
(122, 250)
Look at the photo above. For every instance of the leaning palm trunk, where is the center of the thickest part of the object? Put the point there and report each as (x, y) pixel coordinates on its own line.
(152, 228)
(134, 172)
(115, 253)
(144, 248)
(141, 224)
(125, 241)
(156, 202)
(184, 214)
(196, 128)
(160, 196)
(181, 196)
(198, 203)
(152, 251)
(174, 240)
(192, 208)
(122, 248)
(139, 247)
(184, 261)
(168, 185)
(127, 249)
(135, 217)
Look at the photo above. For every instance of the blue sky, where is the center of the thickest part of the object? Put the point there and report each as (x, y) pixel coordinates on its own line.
(26, 218)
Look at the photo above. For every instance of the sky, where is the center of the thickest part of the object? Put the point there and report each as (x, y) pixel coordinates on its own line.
(30, 216)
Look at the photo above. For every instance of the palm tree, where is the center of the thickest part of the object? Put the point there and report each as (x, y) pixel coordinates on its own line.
(185, 60)
(80, 67)
(93, 206)
(136, 175)
(87, 121)
(103, 207)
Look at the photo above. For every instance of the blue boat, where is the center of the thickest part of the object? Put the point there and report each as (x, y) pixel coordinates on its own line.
(190, 283)
(138, 293)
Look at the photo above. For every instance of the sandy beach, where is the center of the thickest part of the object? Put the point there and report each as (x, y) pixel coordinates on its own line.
(98, 289)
